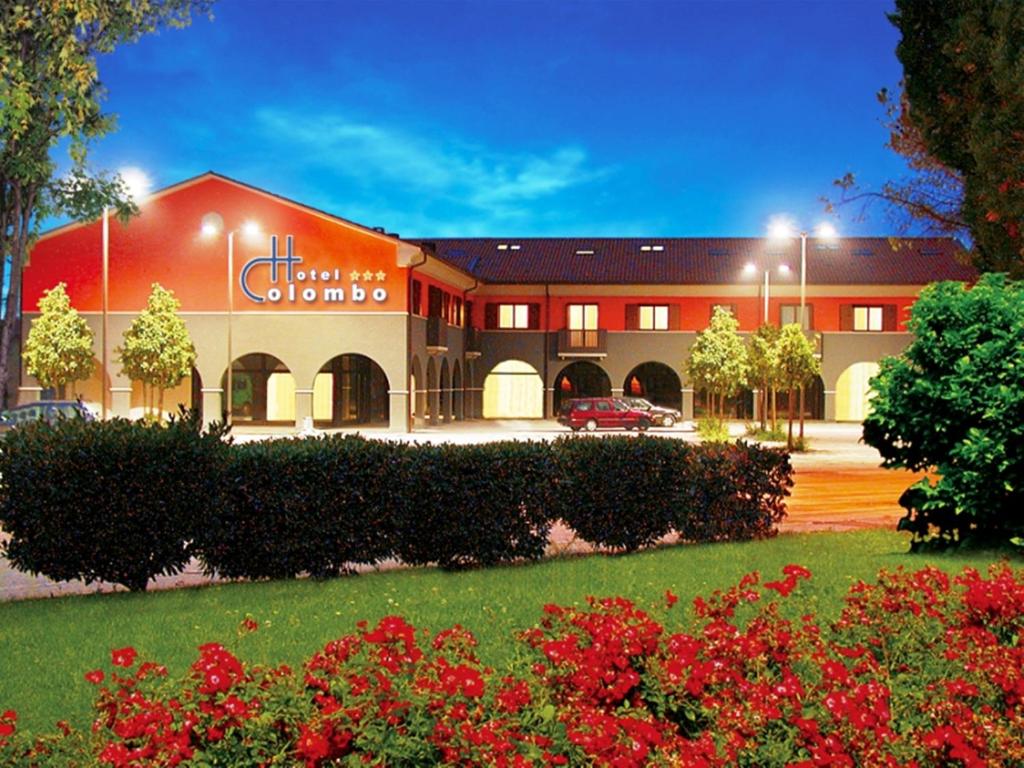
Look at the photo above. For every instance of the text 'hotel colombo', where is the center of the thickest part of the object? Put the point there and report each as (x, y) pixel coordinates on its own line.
(346, 325)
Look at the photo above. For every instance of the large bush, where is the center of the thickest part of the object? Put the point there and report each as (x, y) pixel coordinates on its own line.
(311, 505)
(115, 500)
(462, 505)
(626, 493)
(919, 670)
(954, 403)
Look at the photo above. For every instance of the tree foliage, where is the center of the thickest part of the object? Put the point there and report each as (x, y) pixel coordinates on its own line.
(763, 367)
(960, 124)
(49, 92)
(718, 359)
(58, 350)
(797, 366)
(157, 349)
(953, 402)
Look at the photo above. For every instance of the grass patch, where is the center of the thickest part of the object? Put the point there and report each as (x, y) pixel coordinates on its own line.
(49, 644)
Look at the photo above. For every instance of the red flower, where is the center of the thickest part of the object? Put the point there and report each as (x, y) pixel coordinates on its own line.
(670, 599)
(123, 657)
(95, 677)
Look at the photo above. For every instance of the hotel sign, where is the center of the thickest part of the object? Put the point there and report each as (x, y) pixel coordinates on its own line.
(309, 284)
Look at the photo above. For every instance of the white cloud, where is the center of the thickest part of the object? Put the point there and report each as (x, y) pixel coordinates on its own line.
(501, 183)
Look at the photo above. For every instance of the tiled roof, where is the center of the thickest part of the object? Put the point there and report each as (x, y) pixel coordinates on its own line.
(702, 261)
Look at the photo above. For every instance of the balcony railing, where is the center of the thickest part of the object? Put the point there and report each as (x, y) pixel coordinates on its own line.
(437, 335)
(472, 343)
(573, 343)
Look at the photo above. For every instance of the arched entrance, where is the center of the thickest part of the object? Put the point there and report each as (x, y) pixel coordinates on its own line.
(351, 389)
(739, 406)
(814, 400)
(416, 394)
(581, 379)
(853, 392)
(263, 390)
(458, 411)
(445, 395)
(430, 413)
(513, 390)
(656, 382)
(188, 393)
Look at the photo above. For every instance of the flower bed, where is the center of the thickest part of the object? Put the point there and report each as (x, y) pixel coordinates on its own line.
(919, 670)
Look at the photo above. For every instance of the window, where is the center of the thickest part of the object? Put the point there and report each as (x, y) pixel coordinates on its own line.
(730, 308)
(446, 307)
(417, 297)
(457, 311)
(582, 322)
(515, 316)
(653, 317)
(790, 313)
(867, 319)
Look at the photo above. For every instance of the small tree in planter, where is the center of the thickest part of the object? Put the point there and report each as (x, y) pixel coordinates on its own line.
(157, 350)
(797, 366)
(58, 350)
(718, 360)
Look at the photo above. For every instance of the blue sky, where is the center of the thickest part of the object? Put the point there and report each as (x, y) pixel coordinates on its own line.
(519, 118)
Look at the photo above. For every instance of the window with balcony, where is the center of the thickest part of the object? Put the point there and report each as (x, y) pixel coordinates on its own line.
(867, 318)
(581, 321)
(512, 317)
(652, 317)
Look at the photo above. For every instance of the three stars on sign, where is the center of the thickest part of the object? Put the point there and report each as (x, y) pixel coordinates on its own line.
(355, 275)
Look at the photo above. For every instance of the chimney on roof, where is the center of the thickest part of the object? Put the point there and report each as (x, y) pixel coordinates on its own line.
(429, 245)
(378, 229)
(393, 234)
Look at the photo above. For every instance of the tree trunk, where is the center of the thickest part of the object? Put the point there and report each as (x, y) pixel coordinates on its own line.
(19, 222)
(160, 406)
(802, 390)
(789, 437)
(763, 405)
(62, 391)
(775, 409)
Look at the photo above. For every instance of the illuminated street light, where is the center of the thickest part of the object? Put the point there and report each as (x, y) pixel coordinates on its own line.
(782, 228)
(212, 224)
(750, 268)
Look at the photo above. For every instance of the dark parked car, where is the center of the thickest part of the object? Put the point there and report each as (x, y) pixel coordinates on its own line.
(49, 410)
(592, 413)
(659, 414)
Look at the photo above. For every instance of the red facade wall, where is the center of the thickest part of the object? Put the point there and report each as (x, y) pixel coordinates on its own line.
(164, 244)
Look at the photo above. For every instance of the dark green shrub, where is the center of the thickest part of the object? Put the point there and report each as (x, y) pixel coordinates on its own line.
(954, 402)
(732, 492)
(620, 492)
(465, 505)
(307, 505)
(115, 500)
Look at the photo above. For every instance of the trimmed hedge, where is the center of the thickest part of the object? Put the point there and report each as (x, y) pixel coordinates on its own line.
(107, 500)
(122, 501)
(315, 505)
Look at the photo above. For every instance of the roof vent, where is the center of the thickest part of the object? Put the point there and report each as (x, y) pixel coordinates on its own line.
(931, 252)
(827, 246)
(514, 247)
(502, 246)
(718, 252)
(652, 248)
(863, 252)
(584, 252)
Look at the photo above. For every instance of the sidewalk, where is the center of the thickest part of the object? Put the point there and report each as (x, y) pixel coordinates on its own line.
(837, 486)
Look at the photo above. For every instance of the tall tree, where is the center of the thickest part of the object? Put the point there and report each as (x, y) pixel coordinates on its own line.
(718, 360)
(763, 371)
(157, 349)
(58, 350)
(958, 123)
(797, 366)
(49, 91)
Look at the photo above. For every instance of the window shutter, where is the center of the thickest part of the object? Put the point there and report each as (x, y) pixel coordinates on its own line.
(674, 317)
(490, 316)
(632, 317)
(533, 317)
(846, 317)
(889, 317)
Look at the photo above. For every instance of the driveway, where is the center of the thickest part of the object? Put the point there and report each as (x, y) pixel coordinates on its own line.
(838, 485)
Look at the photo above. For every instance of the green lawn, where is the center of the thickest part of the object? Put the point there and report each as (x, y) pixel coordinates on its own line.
(47, 645)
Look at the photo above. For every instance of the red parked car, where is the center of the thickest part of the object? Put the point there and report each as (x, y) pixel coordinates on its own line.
(592, 413)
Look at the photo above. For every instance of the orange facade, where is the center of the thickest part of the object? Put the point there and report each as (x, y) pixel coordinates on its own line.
(335, 266)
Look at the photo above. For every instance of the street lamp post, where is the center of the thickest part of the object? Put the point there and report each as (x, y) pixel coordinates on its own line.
(212, 225)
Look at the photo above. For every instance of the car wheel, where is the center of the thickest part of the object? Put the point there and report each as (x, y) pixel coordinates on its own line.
(643, 425)
(575, 429)
(668, 421)
(591, 425)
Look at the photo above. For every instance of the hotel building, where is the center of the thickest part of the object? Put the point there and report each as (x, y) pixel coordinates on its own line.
(330, 322)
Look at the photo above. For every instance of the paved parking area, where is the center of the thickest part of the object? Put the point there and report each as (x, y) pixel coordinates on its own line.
(838, 485)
